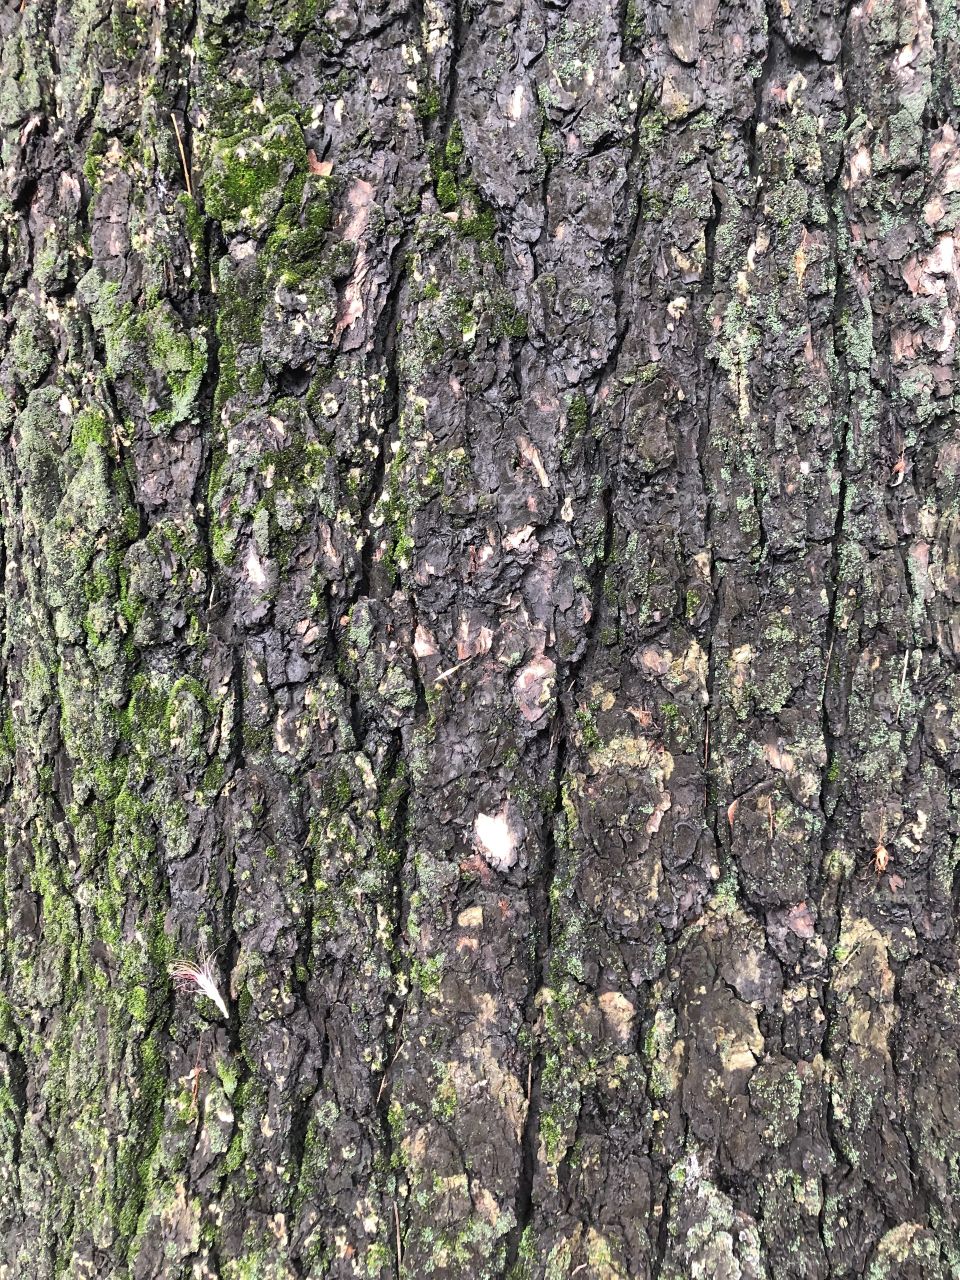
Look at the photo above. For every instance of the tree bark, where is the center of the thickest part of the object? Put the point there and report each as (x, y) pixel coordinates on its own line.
(480, 489)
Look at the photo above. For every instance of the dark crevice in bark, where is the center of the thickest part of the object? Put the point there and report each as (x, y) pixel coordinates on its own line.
(207, 400)
(231, 944)
(421, 708)
(369, 581)
(397, 838)
(386, 354)
(541, 891)
(767, 69)
(828, 797)
(635, 168)
(453, 74)
(540, 911)
(716, 577)
(663, 1237)
(22, 201)
(567, 1166)
(17, 1077)
(832, 720)
(542, 883)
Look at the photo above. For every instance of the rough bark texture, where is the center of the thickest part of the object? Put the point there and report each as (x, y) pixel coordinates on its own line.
(480, 491)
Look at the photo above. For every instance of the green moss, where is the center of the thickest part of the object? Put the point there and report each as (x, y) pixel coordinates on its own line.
(447, 190)
(137, 1005)
(508, 322)
(578, 412)
(136, 1147)
(378, 1259)
(8, 743)
(725, 895)
(635, 28)
(480, 225)
(588, 728)
(297, 239)
(427, 104)
(293, 258)
(292, 17)
(247, 175)
(90, 426)
(150, 348)
(444, 1104)
(31, 346)
(94, 160)
(426, 974)
(181, 359)
(454, 148)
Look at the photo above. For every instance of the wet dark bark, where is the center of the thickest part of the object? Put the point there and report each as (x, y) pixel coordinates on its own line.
(480, 490)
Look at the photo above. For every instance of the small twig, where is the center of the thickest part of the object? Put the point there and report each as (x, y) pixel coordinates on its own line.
(826, 669)
(196, 1076)
(453, 670)
(706, 762)
(855, 952)
(903, 684)
(396, 1218)
(770, 811)
(396, 1055)
(183, 156)
(529, 1081)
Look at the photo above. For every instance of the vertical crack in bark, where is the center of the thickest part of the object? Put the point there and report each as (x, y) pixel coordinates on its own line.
(207, 399)
(767, 68)
(230, 897)
(369, 584)
(707, 372)
(830, 722)
(541, 888)
(393, 1018)
(209, 310)
(828, 798)
(386, 354)
(636, 166)
(541, 891)
(453, 74)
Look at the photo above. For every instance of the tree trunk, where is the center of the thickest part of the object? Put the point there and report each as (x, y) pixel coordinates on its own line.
(481, 553)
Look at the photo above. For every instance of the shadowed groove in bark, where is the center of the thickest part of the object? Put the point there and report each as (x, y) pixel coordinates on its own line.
(396, 836)
(453, 72)
(201, 503)
(828, 803)
(709, 372)
(541, 896)
(831, 804)
(387, 356)
(766, 71)
(542, 882)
